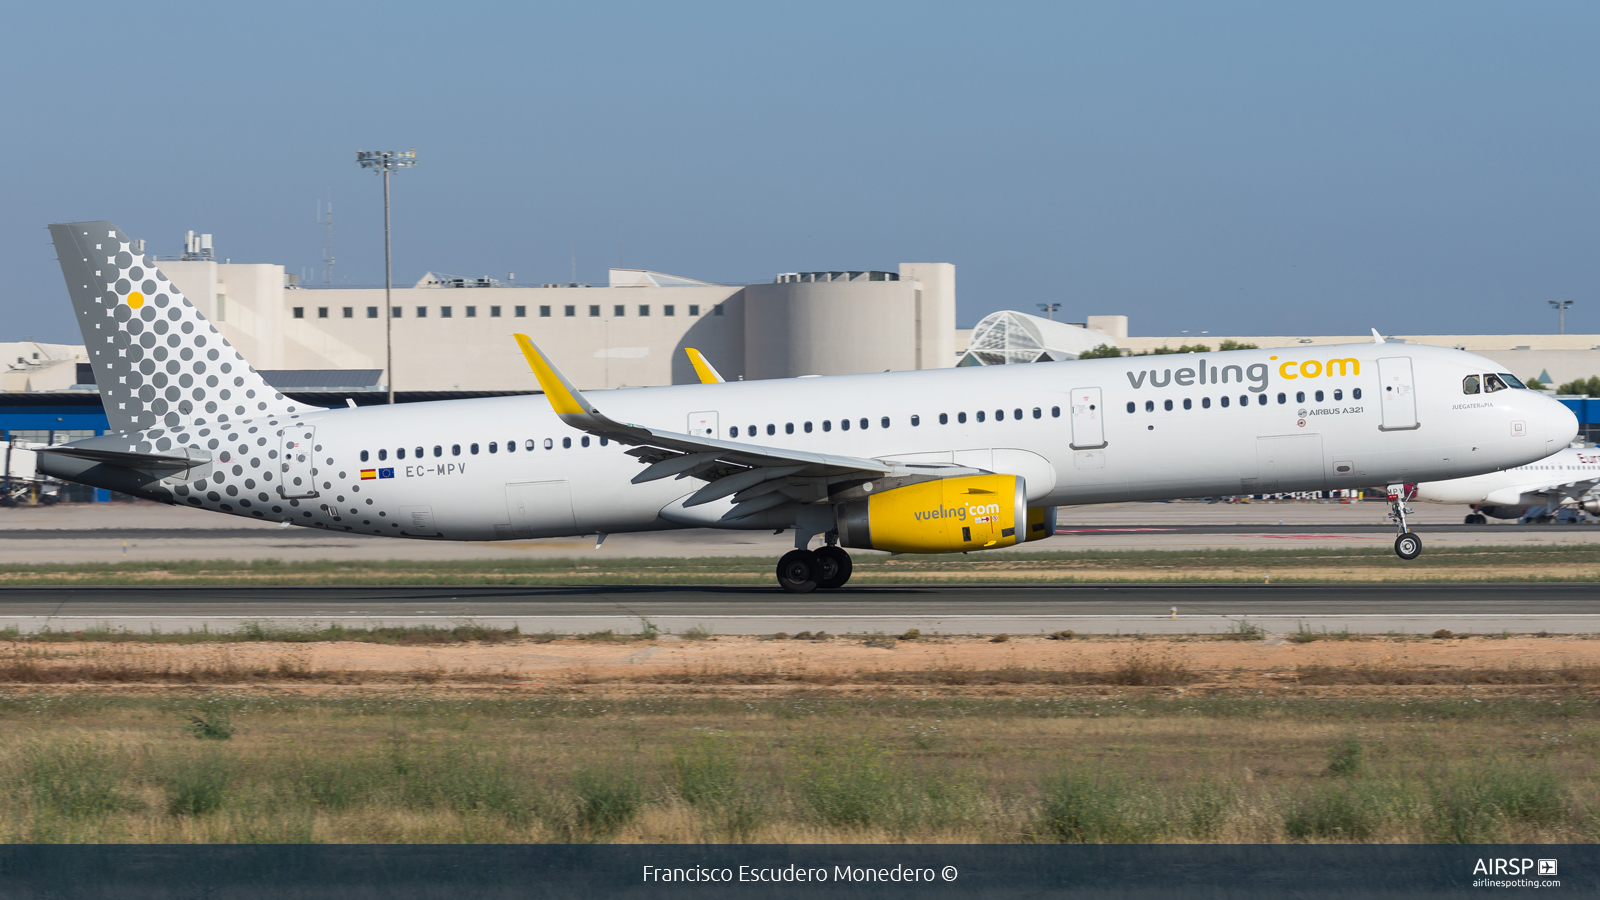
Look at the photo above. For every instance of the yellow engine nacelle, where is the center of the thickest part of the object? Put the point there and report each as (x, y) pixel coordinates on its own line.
(945, 515)
(1041, 523)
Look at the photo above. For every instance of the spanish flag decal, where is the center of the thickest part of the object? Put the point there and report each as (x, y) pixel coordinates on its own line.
(368, 474)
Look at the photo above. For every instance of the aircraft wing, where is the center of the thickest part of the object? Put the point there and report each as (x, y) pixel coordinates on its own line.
(757, 476)
(1558, 492)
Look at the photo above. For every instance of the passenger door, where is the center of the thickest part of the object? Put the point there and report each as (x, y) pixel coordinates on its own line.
(1088, 419)
(1397, 399)
(298, 462)
(703, 424)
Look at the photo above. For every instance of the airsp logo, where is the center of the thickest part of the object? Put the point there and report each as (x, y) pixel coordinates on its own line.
(1500, 866)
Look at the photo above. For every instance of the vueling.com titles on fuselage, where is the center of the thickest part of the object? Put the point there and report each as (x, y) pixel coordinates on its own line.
(1257, 373)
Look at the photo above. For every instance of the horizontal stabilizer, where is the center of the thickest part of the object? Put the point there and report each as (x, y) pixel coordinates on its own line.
(149, 462)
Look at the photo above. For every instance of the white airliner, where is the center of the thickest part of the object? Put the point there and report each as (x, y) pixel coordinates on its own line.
(934, 461)
(1567, 480)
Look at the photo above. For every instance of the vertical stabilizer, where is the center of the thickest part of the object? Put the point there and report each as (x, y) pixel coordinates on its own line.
(157, 360)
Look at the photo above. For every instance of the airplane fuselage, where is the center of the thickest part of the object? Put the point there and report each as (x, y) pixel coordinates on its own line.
(507, 467)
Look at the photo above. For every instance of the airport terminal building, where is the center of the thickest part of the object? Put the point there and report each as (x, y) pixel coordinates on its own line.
(454, 334)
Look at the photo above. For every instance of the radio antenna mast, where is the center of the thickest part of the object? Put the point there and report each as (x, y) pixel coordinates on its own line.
(327, 249)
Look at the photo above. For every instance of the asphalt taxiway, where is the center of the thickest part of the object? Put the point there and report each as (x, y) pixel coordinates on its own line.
(966, 609)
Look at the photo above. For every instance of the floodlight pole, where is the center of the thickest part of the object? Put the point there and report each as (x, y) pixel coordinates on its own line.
(386, 161)
(1560, 306)
(1049, 309)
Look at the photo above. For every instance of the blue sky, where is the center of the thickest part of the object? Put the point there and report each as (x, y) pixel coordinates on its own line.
(1232, 167)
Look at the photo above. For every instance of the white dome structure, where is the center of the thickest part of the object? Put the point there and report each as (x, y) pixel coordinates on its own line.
(1009, 336)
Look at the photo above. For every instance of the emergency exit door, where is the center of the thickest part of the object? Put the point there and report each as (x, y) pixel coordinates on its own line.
(703, 424)
(1088, 419)
(1396, 397)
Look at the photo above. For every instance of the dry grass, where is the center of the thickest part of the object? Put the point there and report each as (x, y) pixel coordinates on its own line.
(29, 666)
(411, 767)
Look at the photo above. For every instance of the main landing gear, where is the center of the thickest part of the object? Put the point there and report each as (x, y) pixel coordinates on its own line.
(1409, 544)
(803, 571)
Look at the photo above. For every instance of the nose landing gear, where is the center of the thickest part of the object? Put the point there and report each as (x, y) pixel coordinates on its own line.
(1409, 544)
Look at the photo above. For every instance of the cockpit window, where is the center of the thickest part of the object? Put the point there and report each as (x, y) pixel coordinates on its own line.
(1469, 384)
(1492, 383)
(1512, 381)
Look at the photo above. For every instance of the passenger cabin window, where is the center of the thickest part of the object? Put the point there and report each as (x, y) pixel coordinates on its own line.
(944, 419)
(1038, 413)
(808, 427)
(511, 446)
(494, 446)
(437, 450)
(1130, 406)
(383, 455)
(455, 449)
(750, 431)
(884, 422)
(788, 428)
(400, 454)
(549, 444)
(1187, 403)
(363, 456)
(1282, 398)
(772, 429)
(566, 443)
(473, 449)
(1055, 412)
(733, 432)
(864, 424)
(827, 425)
(961, 418)
(844, 424)
(1224, 402)
(1338, 395)
(980, 415)
(584, 441)
(1355, 393)
(1168, 405)
(1205, 402)
(1299, 396)
(1319, 396)
(915, 421)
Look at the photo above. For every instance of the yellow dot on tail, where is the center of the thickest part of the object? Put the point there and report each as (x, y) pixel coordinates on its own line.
(135, 300)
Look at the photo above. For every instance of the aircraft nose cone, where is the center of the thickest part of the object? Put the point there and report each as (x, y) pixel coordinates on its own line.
(1560, 424)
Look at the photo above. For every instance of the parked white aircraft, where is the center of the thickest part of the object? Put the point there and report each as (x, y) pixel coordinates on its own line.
(1568, 479)
(930, 461)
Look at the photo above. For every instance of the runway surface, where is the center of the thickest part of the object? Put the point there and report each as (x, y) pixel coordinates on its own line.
(967, 609)
(117, 532)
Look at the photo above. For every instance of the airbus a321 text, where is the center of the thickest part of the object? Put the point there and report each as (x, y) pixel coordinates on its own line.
(933, 461)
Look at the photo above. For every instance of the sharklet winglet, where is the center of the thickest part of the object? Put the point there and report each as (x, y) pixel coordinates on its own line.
(703, 369)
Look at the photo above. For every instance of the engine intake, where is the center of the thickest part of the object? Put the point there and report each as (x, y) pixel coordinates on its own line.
(944, 515)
